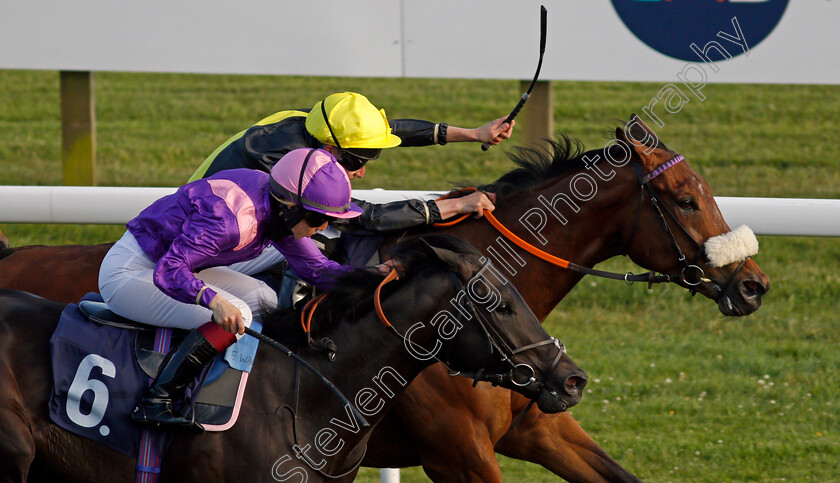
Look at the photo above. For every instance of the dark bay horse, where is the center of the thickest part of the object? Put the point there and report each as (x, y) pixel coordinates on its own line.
(616, 218)
(497, 334)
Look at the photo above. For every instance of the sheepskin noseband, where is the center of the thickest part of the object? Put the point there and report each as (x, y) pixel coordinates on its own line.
(731, 247)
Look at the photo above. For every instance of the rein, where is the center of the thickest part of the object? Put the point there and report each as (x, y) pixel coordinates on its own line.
(301, 454)
(691, 274)
(360, 419)
(273, 343)
(629, 278)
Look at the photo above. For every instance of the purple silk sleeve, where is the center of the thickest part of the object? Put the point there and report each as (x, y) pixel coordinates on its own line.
(309, 263)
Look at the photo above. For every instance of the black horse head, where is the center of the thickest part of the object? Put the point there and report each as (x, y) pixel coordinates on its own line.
(449, 305)
(486, 330)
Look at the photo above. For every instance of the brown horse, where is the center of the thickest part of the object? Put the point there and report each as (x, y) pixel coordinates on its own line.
(498, 335)
(593, 208)
(587, 220)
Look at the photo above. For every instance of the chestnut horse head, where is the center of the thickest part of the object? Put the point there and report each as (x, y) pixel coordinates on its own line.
(633, 197)
(694, 243)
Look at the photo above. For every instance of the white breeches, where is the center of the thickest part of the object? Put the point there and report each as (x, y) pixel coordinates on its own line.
(126, 284)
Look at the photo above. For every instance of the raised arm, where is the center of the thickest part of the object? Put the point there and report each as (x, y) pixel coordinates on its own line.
(414, 132)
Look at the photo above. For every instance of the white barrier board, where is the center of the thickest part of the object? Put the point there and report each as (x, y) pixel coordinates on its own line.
(775, 41)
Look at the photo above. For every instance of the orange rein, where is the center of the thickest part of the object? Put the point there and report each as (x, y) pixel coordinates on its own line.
(377, 303)
(523, 244)
(504, 231)
(457, 219)
(309, 309)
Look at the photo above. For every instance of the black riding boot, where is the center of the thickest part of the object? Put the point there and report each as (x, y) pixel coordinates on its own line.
(180, 367)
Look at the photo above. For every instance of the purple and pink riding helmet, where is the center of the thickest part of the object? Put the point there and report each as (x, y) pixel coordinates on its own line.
(313, 179)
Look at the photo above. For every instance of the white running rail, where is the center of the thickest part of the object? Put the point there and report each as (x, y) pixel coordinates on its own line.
(117, 205)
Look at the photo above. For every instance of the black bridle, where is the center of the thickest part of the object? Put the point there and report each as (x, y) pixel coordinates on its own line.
(495, 340)
(691, 274)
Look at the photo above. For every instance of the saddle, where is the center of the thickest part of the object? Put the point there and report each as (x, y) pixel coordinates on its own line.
(217, 403)
(103, 363)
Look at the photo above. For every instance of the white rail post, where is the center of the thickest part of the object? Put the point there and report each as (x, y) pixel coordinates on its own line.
(389, 475)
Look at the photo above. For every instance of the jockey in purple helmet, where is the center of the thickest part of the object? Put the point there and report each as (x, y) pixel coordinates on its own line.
(172, 266)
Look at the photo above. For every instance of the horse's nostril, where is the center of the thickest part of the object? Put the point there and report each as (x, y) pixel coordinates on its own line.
(752, 288)
(575, 384)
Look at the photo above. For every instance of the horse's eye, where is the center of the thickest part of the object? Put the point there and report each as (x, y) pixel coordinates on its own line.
(504, 309)
(687, 204)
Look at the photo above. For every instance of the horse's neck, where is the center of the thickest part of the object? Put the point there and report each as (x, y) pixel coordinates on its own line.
(585, 237)
(372, 368)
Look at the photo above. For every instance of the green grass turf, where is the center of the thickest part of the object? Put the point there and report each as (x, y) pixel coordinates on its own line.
(677, 392)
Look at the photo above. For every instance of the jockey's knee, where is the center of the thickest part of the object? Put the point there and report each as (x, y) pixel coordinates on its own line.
(265, 299)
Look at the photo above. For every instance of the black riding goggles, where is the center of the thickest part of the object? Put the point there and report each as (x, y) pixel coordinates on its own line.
(351, 162)
(315, 219)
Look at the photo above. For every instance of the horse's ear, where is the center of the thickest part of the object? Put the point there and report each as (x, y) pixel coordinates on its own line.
(619, 135)
(451, 260)
(635, 152)
(638, 129)
(641, 139)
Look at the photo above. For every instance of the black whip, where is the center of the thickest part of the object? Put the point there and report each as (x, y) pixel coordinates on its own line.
(273, 343)
(527, 94)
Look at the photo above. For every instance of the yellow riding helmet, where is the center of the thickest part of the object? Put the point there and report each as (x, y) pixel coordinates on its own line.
(352, 122)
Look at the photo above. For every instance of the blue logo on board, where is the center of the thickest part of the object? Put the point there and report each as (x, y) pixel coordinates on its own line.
(672, 26)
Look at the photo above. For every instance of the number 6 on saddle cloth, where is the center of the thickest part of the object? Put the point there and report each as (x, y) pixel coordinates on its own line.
(102, 364)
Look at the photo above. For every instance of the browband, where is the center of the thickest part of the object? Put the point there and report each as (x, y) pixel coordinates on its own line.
(661, 169)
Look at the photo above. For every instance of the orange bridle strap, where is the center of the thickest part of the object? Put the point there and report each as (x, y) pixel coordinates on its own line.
(503, 230)
(308, 311)
(377, 303)
(523, 244)
(457, 219)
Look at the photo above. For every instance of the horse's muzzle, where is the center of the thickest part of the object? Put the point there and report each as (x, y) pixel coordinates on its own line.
(555, 400)
(743, 297)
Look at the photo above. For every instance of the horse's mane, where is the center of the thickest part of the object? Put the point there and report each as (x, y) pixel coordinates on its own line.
(536, 164)
(352, 294)
(561, 156)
